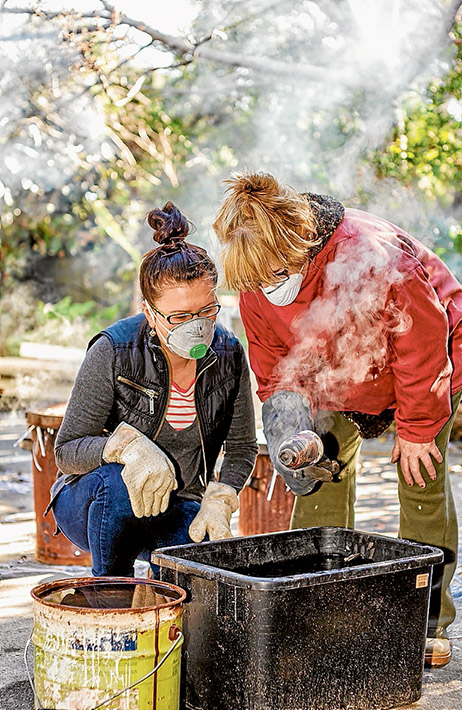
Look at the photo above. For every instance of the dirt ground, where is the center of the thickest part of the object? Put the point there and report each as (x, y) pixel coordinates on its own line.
(377, 511)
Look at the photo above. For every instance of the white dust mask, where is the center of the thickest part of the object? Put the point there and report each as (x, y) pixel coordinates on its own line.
(286, 292)
(190, 340)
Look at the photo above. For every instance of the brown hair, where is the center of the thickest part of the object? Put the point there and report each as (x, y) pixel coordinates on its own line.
(261, 222)
(174, 260)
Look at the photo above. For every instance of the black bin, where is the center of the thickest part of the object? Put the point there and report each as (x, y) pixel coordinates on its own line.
(313, 619)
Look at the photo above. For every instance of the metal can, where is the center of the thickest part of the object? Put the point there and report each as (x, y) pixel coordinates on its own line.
(300, 450)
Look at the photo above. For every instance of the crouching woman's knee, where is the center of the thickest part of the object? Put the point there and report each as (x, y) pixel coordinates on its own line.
(100, 492)
(111, 488)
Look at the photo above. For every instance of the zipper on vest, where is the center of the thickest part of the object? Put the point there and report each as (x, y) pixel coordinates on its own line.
(203, 481)
(152, 394)
(169, 370)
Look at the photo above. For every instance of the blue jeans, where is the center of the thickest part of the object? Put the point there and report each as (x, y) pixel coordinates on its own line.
(94, 513)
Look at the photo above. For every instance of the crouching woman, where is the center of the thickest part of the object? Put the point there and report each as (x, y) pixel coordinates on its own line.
(155, 400)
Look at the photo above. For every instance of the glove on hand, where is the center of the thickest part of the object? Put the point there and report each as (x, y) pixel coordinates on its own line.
(284, 414)
(218, 504)
(148, 473)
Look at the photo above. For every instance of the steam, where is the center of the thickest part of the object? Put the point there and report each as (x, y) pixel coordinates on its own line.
(343, 338)
(47, 120)
(314, 133)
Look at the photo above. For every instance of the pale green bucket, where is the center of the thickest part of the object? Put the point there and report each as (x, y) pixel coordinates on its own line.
(96, 638)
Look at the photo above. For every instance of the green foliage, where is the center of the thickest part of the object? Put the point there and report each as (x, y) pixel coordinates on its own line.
(66, 311)
(105, 201)
(107, 196)
(106, 221)
(425, 150)
(62, 323)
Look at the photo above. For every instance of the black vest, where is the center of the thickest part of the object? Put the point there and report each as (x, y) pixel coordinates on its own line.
(142, 383)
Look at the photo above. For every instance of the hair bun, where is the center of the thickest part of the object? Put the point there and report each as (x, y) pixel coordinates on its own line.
(168, 224)
(257, 185)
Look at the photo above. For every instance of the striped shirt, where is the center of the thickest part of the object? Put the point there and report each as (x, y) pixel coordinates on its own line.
(181, 411)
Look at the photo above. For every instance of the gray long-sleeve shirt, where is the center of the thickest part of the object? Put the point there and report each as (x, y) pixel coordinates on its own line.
(80, 441)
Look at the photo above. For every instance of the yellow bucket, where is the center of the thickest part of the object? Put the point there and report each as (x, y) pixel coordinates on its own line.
(109, 642)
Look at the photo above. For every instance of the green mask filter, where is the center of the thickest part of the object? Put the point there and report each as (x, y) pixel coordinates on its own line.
(198, 351)
(190, 340)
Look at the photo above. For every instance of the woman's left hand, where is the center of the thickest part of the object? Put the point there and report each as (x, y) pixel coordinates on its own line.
(220, 501)
(411, 455)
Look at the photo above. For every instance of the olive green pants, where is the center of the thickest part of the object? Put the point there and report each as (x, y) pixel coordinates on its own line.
(427, 515)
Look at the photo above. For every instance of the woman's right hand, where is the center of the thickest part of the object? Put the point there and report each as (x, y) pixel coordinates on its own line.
(413, 456)
(148, 473)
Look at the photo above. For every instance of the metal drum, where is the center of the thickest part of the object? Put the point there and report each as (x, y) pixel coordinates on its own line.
(50, 549)
(265, 504)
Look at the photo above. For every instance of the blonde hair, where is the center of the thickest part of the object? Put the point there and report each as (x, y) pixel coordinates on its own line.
(261, 222)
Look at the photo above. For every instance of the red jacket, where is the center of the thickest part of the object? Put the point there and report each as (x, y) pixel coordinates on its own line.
(322, 341)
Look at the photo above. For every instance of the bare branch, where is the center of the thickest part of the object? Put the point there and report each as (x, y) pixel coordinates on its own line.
(51, 15)
(186, 48)
(175, 65)
(127, 59)
(191, 51)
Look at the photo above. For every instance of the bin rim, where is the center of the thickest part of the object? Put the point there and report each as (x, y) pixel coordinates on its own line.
(428, 556)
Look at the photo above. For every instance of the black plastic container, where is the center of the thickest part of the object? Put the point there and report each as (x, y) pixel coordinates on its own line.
(312, 619)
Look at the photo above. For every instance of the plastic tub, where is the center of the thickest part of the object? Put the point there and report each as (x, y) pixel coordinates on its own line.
(312, 619)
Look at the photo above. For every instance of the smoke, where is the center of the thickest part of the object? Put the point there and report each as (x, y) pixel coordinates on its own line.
(369, 53)
(316, 129)
(48, 122)
(342, 339)
(312, 127)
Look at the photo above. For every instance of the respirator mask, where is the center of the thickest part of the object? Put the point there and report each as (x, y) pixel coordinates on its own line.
(191, 339)
(285, 293)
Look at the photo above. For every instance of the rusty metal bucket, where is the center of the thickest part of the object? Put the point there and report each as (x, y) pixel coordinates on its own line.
(107, 642)
(55, 550)
(265, 504)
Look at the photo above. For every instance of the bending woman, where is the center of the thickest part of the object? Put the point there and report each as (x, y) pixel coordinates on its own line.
(347, 314)
(154, 401)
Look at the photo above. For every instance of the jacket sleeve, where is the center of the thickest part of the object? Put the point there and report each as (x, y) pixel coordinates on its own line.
(265, 350)
(241, 444)
(421, 365)
(80, 443)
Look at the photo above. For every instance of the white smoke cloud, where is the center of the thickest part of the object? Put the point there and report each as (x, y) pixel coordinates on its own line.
(316, 133)
(342, 339)
(47, 120)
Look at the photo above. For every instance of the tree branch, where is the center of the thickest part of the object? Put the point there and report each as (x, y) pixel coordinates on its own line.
(185, 48)
(50, 15)
(131, 56)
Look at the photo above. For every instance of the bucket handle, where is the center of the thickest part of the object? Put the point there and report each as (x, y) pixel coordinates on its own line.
(31, 682)
(176, 641)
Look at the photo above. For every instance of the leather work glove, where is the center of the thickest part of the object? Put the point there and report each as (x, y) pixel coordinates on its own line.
(284, 414)
(148, 473)
(147, 595)
(218, 504)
